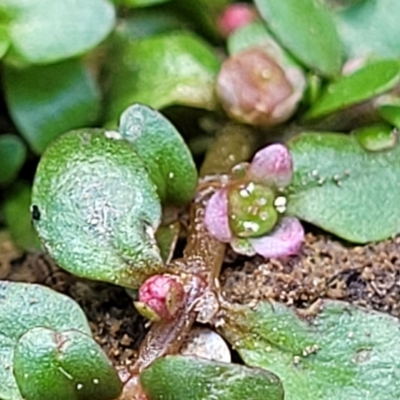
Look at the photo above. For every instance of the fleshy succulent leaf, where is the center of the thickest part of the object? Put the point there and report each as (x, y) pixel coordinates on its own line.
(285, 240)
(370, 27)
(185, 377)
(67, 365)
(164, 152)
(96, 209)
(338, 352)
(307, 30)
(272, 166)
(51, 30)
(338, 186)
(46, 101)
(162, 70)
(26, 306)
(374, 78)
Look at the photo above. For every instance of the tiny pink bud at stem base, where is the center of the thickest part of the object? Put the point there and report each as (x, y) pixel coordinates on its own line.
(160, 297)
(235, 16)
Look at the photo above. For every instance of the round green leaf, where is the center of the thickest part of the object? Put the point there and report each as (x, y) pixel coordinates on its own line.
(168, 69)
(66, 365)
(371, 28)
(12, 156)
(344, 352)
(26, 306)
(306, 28)
(51, 30)
(374, 78)
(345, 189)
(49, 100)
(18, 217)
(184, 377)
(96, 209)
(162, 149)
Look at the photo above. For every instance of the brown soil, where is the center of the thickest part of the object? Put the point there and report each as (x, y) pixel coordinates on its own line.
(364, 275)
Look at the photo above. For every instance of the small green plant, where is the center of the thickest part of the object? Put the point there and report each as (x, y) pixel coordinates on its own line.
(315, 83)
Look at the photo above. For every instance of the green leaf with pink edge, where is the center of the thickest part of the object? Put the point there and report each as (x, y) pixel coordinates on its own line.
(345, 188)
(46, 349)
(167, 69)
(338, 352)
(186, 377)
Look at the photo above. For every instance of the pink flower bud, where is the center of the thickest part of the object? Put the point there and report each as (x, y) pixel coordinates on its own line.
(272, 166)
(253, 88)
(235, 16)
(160, 297)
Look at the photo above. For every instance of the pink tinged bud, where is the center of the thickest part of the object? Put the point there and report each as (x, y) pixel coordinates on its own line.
(272, 166)
(216, 216)
(160, 297)
(253, 88)
(285, 240)
(234, 17)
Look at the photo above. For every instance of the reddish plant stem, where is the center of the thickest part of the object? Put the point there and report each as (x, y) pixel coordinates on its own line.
(200, 266)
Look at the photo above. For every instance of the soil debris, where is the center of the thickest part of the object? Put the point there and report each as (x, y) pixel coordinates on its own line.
(367, 275)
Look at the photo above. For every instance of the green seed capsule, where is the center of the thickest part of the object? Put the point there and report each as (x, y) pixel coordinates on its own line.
(251, 209)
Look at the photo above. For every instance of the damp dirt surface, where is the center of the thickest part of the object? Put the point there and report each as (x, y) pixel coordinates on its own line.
(368, 276)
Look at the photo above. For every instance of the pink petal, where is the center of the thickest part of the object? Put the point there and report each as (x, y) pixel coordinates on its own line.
(272, 165)
(216, 216)
(285, 239)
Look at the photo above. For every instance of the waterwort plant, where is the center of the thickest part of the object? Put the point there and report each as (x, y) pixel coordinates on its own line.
(248, 211)
(100, 196)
